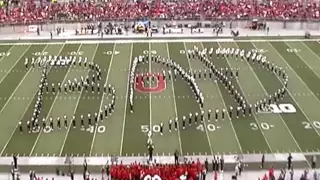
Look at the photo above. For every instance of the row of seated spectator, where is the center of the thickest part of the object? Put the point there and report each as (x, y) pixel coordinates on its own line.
(30, 12)
(189, 171)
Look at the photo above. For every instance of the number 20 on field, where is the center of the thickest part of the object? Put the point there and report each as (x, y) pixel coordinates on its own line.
(311, 124)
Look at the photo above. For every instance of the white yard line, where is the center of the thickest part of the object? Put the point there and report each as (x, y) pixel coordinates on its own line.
(255, 118)
(11, 135)
(266, 93)
(19, 59)
(150, 103)
(224, 104)
(175, 105)
(3, 57)
(54, 101)
(126, 101)
(204, 122)
(103, 94)
(315, 129)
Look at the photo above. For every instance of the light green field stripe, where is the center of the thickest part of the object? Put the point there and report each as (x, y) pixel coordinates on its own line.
(296, 122)
(193, 141)
(163, 108)
(314, 47)
(307, 55)
(109, 142)
(10, 80)
(65, 104)
(15, 108)
(275, 129)
(213, 101)
(134, 141)
(5, 51)
(6, 60)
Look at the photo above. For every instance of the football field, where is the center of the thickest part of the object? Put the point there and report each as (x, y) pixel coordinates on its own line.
(295, 127)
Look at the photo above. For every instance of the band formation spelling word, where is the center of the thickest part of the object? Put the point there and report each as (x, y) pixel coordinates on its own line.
(221, 75)
(90, 82)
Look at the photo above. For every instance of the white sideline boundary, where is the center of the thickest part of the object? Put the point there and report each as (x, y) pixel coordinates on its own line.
(102, 160)
(124, 41)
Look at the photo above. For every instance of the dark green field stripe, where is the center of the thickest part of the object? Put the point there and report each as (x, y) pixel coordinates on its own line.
(306, 74)
(79, 142)
(192, 140)
(14, 77)
(4, 49)
(250, 141)
(22, 143)
(134, 141)
(293, 120)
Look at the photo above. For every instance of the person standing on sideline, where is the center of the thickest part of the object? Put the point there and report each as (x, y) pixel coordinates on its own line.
(262, 161)
(206, 164)
(313, 161)
(289, 161)
(176, 157)
(221, 164)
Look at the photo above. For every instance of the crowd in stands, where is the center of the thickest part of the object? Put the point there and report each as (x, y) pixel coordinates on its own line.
(190, 171)
(30, 11)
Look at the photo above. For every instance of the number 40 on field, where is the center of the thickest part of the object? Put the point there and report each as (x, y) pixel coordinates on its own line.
(98, 129)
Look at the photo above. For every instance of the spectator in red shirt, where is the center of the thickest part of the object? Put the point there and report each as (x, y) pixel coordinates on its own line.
(29, 12)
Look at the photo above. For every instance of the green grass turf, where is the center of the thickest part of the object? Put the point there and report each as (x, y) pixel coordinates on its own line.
(123, 134)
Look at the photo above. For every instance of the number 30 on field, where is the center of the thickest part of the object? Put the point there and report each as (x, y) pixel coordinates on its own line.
(263, 126)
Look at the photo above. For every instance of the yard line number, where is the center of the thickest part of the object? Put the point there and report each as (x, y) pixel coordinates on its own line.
(100, 129)
(282, 108)
(293, 50)
(91, 129)
(76, 53)
(308, 125)
(4, 54)
(259, 50)
(111, 52)
(209, 127)
(155, 128)
(47, 129)
(44, 53)
(147, 52)
(263, 126)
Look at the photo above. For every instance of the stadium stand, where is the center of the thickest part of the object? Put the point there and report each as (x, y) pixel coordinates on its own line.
(166, 172)
(31, 12)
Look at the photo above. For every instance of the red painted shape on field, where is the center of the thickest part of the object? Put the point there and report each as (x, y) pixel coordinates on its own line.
(140, 86)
